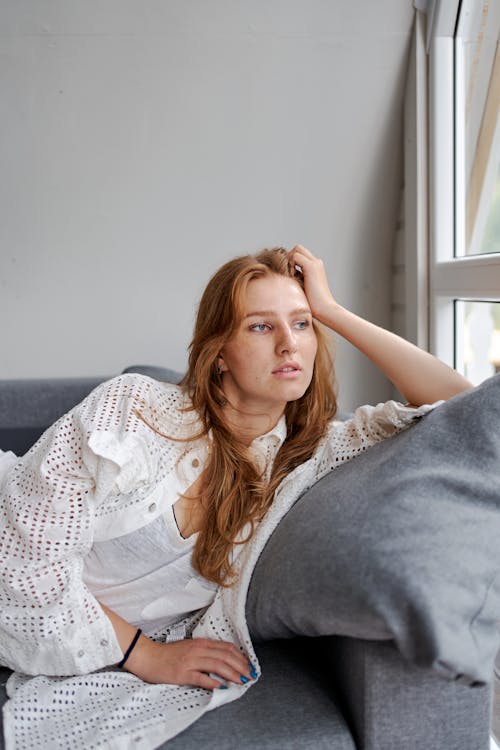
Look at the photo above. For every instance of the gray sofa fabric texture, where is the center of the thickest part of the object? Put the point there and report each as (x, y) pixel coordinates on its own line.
(337, 565)
(401, 542)
(391, 704)
(291, 707)
(28, 407)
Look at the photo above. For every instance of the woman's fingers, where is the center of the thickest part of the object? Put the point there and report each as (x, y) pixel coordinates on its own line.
(316, 285)
(225, 651)
(194, 661)
(311, 267)
(298, 255)
(199, 679)
(222, 669)
(303, 250)
(222, 658)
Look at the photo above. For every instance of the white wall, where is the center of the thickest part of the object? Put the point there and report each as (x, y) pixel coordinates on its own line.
(144, 142)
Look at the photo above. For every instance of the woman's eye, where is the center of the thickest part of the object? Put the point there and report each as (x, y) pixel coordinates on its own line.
(301, 324)
(259, 327)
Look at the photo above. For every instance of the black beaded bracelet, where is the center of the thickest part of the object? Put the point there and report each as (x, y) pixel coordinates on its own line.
(130, 648)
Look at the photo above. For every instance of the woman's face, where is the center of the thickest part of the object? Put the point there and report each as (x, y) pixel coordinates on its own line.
(270, 359)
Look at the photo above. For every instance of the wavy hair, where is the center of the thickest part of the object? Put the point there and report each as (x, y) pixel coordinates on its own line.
(234, 494)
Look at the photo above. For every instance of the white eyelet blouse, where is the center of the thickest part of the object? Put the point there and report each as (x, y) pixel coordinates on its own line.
(87, 500)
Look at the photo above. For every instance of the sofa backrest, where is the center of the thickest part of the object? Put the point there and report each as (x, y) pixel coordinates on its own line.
(29, 406)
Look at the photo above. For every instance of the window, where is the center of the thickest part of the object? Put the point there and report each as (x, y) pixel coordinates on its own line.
(477, 339)
(477, 129)
(464, 64)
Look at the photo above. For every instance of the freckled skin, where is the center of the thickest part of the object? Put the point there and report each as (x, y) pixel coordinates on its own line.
(279, 333)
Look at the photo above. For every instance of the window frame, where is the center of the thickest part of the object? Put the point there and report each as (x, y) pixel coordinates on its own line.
(451, 276)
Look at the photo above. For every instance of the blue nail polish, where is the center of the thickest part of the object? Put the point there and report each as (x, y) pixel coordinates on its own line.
(253, 673)
(243, 678)
(223, 687)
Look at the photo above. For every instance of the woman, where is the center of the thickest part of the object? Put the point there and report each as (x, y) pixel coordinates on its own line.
(130, 513)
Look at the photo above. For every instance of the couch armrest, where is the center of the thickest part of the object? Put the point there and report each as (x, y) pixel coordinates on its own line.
(391, 704)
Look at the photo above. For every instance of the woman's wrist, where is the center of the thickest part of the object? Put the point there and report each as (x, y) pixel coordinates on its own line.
(126, 634)
(131, 647)
(137, 662)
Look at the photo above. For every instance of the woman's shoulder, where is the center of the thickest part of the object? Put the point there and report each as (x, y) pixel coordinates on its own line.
(129, 393)
(138, 385)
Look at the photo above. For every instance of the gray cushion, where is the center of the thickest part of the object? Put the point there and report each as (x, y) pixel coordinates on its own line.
(395, 705)
(291, 706)
(401, 542)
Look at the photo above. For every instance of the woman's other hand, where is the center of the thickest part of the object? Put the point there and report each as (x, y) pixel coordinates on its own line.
(189, 662)
(319, 296)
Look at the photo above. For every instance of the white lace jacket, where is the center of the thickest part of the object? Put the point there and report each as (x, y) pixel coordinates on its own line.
(97, 473)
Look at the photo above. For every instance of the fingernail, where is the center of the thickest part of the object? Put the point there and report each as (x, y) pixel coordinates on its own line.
(243, 678)
(223, 687)
(253, 673)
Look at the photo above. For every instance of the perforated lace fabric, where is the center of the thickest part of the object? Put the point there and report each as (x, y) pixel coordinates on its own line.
(99, 466)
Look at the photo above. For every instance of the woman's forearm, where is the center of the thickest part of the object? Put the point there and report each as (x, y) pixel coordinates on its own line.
(418, 375)
(123, 629)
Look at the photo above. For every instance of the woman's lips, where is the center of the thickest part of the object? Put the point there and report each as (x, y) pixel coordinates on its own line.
(287, 371)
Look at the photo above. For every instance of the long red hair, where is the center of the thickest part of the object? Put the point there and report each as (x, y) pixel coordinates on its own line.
(234, 492)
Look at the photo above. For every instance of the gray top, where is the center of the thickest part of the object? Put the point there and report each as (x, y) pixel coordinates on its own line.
(147, 575)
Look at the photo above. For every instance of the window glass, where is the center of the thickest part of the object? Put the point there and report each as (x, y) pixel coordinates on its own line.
(477, 136)
(477, 339)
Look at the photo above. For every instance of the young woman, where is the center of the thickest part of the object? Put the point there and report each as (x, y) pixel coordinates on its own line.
(129, 514)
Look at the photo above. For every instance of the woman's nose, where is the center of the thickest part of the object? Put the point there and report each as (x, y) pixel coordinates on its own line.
(287, 341)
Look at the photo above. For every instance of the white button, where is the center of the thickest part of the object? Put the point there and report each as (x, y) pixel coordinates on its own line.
(195, 462)
(152, 508)
(80, 654)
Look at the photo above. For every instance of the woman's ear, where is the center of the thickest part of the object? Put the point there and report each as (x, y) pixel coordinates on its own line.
(221, 365)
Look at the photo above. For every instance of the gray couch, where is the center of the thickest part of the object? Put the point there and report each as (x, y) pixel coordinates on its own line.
(348, 659)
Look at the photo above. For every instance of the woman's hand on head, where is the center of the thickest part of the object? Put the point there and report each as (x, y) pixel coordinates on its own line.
(316, 287)
(189, 662)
